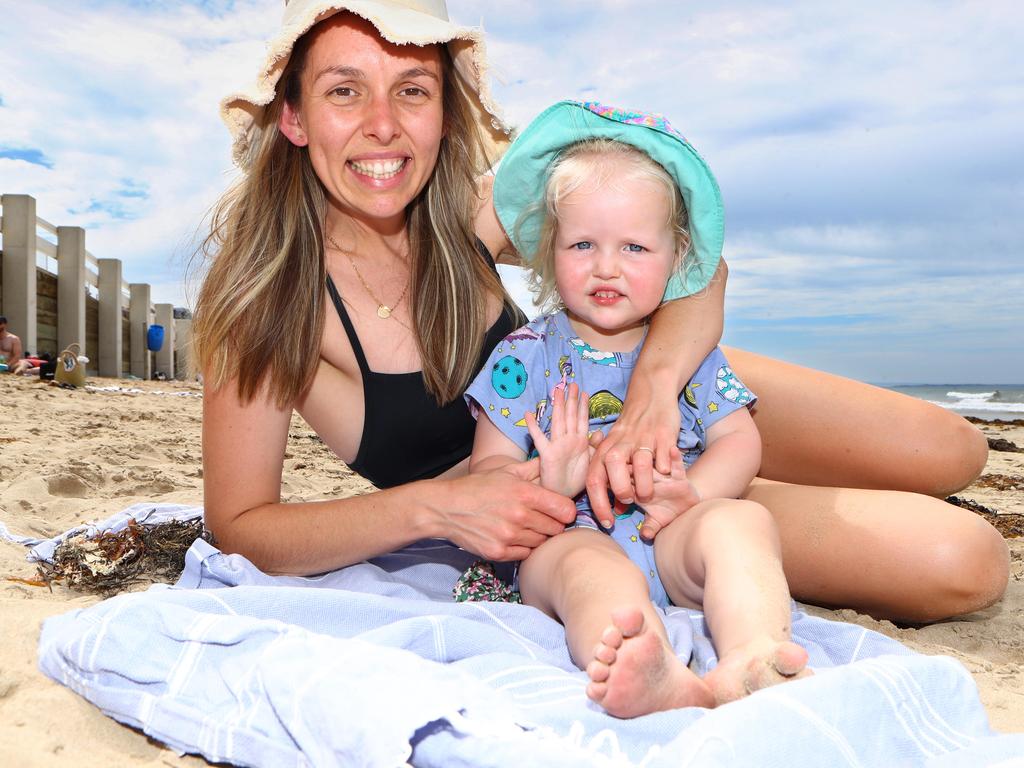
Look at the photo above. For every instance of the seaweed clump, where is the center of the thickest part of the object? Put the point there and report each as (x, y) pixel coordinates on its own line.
(1011, 525)
(110, 562)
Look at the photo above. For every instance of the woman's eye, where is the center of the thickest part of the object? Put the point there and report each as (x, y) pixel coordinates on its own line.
(343, 91)
(583, 245)
(413, 90)
(634, 248)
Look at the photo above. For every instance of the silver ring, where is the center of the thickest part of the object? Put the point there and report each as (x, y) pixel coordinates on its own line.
(643, 448)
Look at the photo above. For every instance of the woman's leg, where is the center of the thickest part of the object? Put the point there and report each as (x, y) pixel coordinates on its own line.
(584, 579)
(890, 554)
(820, 429)
(724, 554)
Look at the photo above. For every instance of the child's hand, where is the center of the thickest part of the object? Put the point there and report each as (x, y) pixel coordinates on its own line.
(565, 456)
(636, 448)
(673, 495)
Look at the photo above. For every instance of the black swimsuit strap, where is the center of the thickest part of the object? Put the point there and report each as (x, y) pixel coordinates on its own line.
(346, 321)
(350, 330)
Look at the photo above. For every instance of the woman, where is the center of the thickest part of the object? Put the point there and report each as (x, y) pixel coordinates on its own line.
(346, 264)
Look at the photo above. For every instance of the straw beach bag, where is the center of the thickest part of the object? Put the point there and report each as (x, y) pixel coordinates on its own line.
(70, 370)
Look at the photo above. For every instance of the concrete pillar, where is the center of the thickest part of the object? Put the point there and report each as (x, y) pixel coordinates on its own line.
(165, 357)
(111, 306)
(71, 276)
(19, 292)
(182, 348)
(138, 325)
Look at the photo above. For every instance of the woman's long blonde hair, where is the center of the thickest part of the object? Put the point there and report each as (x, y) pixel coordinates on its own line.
(260, 312)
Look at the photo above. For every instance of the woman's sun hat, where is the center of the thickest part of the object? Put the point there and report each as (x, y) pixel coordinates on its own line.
(402, 22)
(522, 177)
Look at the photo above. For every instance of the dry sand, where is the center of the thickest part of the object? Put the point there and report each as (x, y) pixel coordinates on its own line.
(68, 457)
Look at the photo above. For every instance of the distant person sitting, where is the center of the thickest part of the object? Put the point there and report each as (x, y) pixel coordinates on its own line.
(33, 365)
(10, 346)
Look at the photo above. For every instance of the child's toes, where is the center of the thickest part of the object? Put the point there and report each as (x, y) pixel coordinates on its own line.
(789, 659)
(597, 691)
(598, 671)
(605, 653)
(612, 636)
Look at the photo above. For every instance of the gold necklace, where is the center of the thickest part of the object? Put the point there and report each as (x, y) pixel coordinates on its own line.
(383, 310)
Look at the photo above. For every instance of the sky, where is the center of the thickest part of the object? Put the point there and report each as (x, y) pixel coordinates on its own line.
(870, 154)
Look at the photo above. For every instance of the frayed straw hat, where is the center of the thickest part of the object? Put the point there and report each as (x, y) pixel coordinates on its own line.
(415, 22)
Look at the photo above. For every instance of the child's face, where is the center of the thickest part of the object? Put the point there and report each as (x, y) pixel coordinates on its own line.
(614, 252)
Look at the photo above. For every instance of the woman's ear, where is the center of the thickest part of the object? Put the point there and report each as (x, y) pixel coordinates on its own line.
(290, 124)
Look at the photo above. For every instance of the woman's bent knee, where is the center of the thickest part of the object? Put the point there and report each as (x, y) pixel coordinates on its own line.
(967, 574)
(959, 456)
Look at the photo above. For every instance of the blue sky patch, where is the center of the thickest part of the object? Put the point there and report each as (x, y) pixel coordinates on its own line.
(32, 155)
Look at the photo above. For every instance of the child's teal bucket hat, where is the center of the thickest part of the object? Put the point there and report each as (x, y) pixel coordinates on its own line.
(521, 178)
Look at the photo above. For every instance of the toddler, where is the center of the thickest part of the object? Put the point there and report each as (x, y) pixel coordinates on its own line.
(611, 211)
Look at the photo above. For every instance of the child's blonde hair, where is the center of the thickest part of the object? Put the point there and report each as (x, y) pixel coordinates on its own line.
(592, 163)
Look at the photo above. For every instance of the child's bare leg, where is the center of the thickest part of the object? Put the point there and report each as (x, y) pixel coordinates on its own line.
(725, 554)
(583, 579)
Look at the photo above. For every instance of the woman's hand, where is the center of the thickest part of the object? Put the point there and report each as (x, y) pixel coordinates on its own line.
(565, 456)
(502, 514)
(673, 495)
(641, 440)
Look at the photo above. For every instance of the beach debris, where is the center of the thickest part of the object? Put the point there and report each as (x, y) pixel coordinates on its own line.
(1011, 526)
(1001, 444)
(1001, 482)
(110, 562)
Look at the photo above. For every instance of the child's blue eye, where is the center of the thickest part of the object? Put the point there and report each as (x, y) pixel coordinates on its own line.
(634, 248)
(583, 245)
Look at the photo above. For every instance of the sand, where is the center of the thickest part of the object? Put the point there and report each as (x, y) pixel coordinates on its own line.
(68, 457)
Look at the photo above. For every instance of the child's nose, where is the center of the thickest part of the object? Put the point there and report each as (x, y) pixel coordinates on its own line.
(606, 263)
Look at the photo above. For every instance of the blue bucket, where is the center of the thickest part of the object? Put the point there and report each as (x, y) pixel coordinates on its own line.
(155, 338)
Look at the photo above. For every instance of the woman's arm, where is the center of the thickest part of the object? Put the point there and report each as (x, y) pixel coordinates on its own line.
(488, 228)
(500, 515)
(682, 334)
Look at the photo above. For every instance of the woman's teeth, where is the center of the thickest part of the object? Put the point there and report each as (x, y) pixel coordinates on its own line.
(378, 169)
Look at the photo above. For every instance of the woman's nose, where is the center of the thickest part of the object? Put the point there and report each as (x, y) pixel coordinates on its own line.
(381, 123)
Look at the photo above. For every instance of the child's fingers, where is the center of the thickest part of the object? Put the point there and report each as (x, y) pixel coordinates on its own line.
(570, 406)
(676, 465)
(597, 489)
(650, 528)
(576, 404)
(557, 412)
(583, 416)
(540, 440)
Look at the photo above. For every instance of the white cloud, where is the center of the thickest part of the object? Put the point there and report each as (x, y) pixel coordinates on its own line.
(868, 153)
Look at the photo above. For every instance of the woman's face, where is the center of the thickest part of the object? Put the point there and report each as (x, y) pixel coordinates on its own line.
(371, 116)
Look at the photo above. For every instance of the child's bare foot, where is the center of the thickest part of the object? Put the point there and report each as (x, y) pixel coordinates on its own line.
(759, 664)
(634, 673)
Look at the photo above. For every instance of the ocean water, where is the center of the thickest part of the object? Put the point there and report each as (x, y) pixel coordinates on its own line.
(985, 401)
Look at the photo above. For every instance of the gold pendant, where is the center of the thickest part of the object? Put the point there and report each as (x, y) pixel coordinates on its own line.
(383, 312)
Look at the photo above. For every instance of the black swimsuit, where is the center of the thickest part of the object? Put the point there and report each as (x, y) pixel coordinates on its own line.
(406, 436)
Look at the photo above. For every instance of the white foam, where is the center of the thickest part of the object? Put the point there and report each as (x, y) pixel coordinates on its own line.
(981, 406)
(972, 395)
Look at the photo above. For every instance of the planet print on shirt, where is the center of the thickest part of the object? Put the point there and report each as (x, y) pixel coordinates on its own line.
(730, 387)
(508, 377)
